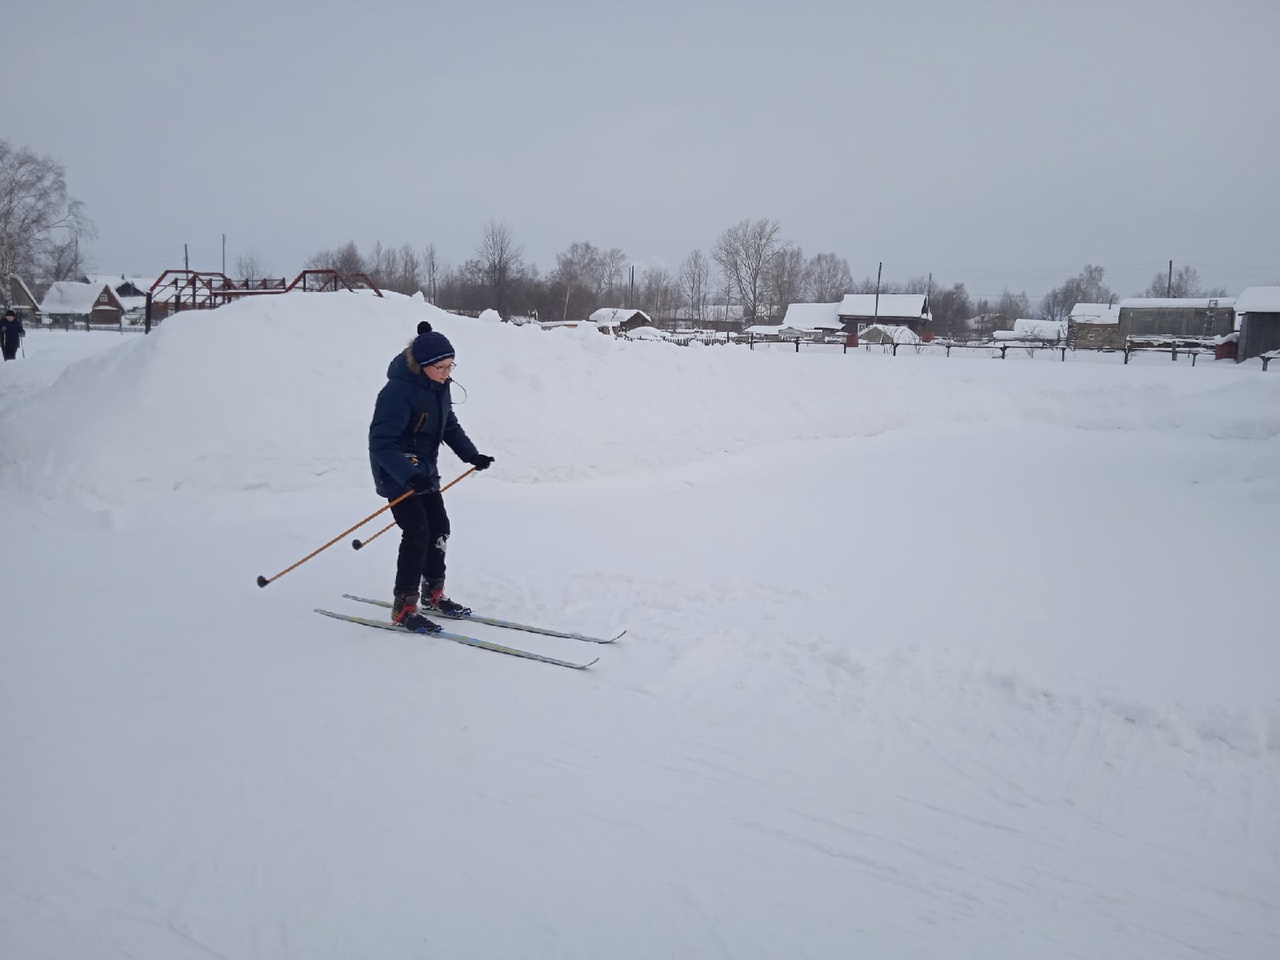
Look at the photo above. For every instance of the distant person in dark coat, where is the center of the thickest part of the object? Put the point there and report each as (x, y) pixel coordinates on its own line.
(11, 334)
(413, 415)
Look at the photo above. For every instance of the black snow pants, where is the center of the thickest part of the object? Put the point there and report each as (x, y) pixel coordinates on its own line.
(425, 534)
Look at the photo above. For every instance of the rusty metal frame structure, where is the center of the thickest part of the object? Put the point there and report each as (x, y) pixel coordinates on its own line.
(204, 289)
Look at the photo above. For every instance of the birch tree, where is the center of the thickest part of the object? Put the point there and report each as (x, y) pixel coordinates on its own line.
(33, 203)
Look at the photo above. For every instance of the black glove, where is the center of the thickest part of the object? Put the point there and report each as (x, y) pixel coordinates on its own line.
(422, 483)
(481, 462)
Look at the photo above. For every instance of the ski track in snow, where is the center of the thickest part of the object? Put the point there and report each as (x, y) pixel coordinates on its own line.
(924, 657)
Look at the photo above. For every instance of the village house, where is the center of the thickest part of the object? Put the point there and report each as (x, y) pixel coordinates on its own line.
(860, 310)
(132, 292)
(18, 295)
(69, 301)
(1094, 326)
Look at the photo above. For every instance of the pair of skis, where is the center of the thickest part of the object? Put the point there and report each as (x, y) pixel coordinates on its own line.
(475, 641)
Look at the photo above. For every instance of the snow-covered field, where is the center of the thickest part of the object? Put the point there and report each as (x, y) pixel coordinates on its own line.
(926, 657)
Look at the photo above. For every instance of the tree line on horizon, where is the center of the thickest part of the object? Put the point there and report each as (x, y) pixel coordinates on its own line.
(750, 265)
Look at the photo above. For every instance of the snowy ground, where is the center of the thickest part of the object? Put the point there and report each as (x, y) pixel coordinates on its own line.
(926, 657)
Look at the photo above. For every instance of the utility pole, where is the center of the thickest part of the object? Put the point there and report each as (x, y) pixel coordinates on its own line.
(224, 254)
(186, 259)
(880, 269)
(928, 295)
(1168, 292)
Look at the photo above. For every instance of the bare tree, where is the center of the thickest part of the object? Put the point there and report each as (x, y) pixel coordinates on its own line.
(432, 269)
(345, 259)
(248, 266)
(950, 309)
(581, 267)
(1013, 305)
(408, 274)
(1185, 282)
(1086, 287)
(744, 252)
(827, 278)
(784, 279)
(62, 261)
(33, 202)
(611, 263)
(695, 283)
(659, 294)
(502, 261)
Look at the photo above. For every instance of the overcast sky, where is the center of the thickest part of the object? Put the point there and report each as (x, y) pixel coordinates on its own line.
(1000, 143)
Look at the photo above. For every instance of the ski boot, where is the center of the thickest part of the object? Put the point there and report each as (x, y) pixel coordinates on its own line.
(433, 598)
(404, 613)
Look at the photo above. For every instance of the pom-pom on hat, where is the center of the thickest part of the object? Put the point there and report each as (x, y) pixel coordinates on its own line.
(431, 347)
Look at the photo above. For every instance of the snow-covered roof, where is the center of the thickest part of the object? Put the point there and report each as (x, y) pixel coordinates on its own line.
(813, 316)
(1259, 300)
(1173, 303)
(73, 297)
(1095, 313)
(764, 329)
(891, 306)
(118, 280)
(888, 333)
(646, 333)
(1043, 329)
(616, 316)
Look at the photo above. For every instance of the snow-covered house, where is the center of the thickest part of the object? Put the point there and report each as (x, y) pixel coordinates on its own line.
(813, 317)
(69, 301)
(132, 291)
(18, 295)
(860, 310)
(1095, 313)
(619, 319)
(1258, 320)
(1095, 326)
(122, 285)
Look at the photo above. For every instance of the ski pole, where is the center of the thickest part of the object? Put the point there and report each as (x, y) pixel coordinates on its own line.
(263, 581)
(357, 544)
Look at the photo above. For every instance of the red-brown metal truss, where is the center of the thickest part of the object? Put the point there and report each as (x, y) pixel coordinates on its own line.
(202, 290)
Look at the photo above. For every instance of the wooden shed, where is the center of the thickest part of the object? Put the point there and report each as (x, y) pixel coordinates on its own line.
(1258, 321)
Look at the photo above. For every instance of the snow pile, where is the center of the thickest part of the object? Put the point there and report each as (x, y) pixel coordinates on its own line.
(274, 394)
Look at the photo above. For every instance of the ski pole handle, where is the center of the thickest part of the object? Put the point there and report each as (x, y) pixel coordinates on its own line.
(360, 544)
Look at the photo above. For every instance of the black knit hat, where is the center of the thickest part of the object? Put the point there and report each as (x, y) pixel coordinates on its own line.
(431, 347)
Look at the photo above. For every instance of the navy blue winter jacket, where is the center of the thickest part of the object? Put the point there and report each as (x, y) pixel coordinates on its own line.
(411, 418)
(11, 332)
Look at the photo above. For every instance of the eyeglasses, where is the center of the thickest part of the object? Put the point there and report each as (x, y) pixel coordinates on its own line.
(445, 367)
